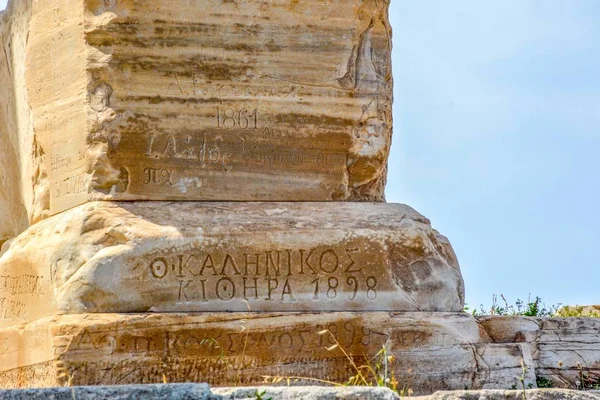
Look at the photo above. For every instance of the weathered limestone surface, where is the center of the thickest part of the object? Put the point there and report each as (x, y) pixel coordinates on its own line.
(203, 392)
(307, 393)
(198, 391)
(433, 351)
(241, 100)
(508, 329)
(533, 394)
(138, 257)
(231, 100)
(565, 350)
(569, 348)
(16, 139)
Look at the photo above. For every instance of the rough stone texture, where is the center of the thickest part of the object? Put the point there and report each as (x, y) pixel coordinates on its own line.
(125, 392)
(568, 350)
(508, 329)
(200, 392)
(565, 350)
(433, 351)
(203, 392)
(233, 100)
(308, 393)
(535, 394)
(166, 257)
(16, 138)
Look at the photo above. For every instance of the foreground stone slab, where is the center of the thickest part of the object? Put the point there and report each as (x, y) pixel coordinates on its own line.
(169, 257)
(200, 392)
(431, 350)
(196, 391)
(533, 394)
(203, 392)
(308, 393)
(218, 100)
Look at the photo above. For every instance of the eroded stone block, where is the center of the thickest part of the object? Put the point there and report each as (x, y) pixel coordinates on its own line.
(242, 348)
(16, 158)
(564, 350)
(139, 257)
(569, 351)
(190, 391)
(217, 100)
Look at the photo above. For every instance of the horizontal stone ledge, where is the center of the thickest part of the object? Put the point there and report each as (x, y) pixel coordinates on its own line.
(191, 391)
(186, 391)
(431, 351)
(193, 257)
(530, 394)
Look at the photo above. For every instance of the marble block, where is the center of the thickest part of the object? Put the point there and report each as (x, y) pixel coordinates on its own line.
(109, 257)
(241, 100)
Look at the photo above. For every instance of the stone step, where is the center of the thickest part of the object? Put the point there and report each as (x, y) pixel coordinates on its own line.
(429, 351)
(203, 392)
(105, 257)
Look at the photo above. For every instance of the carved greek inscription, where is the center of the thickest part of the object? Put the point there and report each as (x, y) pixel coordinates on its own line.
(25, 285)
(197, 86)
(228, 118)
(272, 144)
(58, 162)
(11, 309)
(414, 339)
(104, 343)
(176, 348)
(271, 275)
(330, 289)
(75, 184)
(181, 341)
(254, 152)
(202, 151)
(28, 285)
(158, 176)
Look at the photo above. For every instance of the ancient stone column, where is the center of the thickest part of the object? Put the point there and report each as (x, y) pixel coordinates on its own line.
(194, 191)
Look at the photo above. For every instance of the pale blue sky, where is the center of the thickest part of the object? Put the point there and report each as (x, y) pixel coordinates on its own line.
(497, 139)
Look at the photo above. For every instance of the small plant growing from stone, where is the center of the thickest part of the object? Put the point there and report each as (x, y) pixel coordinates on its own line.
(587, 380)
(543, 382)
(533, 308)
(522, 380)
(261, 395)
(374, 371)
